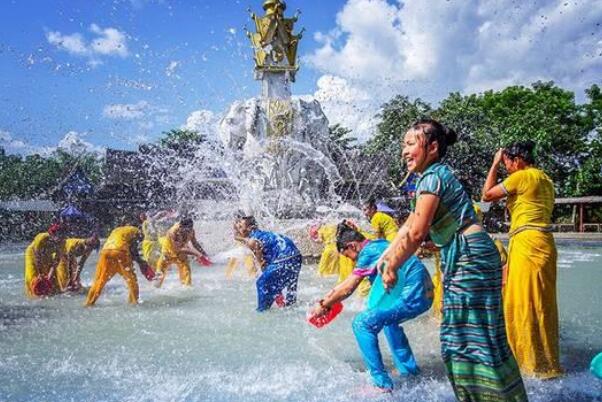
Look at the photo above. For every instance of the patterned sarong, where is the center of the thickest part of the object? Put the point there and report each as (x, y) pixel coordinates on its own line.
(479, 362)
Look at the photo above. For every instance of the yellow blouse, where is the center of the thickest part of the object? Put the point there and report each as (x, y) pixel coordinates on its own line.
(530, 198)
(328, 234)
(121, 238)
(46, 251)
(384, 226)
(75, 247)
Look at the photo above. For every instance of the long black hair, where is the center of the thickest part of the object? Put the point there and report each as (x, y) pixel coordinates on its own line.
(346, 234)
(436, 132)
(521, 149)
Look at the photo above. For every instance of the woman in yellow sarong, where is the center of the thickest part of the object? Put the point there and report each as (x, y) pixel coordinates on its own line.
(117, 257)
(331, 261)
(151, 248)
(69, 269)
(179, 243)
(530, 306)
(383, 225)
(42, 257)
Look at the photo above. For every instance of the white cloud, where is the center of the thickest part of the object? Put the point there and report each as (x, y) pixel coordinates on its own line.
(74, 143)
(9, 143)
(109, 42)
(127, 111)
(106, 42)
(73, 44)
(203, 122)
(138, 4)
(428, 49)
(347, 105)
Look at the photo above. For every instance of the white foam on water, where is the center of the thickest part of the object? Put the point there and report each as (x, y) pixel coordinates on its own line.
(207, 343)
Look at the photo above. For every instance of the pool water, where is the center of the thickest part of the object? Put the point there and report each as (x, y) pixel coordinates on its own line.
(207, 343)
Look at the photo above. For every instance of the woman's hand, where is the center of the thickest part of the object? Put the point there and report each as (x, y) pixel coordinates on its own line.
(318, 311)
(389, 278)
(497, 159)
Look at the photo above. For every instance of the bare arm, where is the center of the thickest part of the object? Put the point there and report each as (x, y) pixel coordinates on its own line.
(55, 263)
(337, 294)
(197, 245)
(80, 266)
(491, 190)
(408, 241)
(255, 247)
(134, 252)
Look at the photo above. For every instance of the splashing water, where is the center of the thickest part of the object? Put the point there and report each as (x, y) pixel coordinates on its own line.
(207, 343)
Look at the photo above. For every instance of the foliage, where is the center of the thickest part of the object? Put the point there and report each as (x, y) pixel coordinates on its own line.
(183, 142)
(485, 122)
(588, 179)
(34, 176)
(396, 116)
(339, 136)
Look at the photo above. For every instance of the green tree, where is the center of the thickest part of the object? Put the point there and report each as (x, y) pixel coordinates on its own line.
(341, 138)
(471, 155)
(587, 180)
(549, 116)
(183, 142)
(34, 176)
(395, 118)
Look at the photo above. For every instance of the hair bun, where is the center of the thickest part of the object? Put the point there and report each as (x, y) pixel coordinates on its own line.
(450, 136)
(529, 145)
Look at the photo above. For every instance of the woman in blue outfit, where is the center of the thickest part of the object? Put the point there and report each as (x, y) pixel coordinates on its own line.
(279, 259)
(412, 296)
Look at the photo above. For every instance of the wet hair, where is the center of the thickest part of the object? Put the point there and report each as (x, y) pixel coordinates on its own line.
(248, 219)
(371, 202)
(130, 220)
(345, 235)
(521, 149)
(186, 222)
(434, 131)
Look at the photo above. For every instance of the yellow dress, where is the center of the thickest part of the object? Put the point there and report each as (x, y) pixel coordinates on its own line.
(333, 263)
(115, 258)
(74, 248)
(151, 248)
(384, 226)
(329, 260)
(437, 287)
(171, 254)
(48, 253)
(530, 305)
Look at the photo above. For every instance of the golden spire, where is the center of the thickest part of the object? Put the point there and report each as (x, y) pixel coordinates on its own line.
(274, 43)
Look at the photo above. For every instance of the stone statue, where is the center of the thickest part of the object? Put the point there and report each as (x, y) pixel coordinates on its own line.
(273, 41)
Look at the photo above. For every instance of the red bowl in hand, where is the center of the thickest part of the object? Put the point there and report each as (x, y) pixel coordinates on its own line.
(204, 261)
(319, 322)
(41, 286)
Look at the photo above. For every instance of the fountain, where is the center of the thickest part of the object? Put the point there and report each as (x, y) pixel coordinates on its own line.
(274, 150)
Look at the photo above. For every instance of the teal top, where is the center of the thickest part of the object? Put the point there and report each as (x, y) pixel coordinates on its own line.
(455, 211)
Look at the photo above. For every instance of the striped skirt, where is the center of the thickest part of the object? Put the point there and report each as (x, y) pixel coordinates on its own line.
(479, 362)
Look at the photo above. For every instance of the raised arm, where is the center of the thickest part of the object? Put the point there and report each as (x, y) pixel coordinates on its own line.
(491, 190)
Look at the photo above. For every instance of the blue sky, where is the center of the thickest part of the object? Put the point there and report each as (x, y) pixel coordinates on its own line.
(116, 73)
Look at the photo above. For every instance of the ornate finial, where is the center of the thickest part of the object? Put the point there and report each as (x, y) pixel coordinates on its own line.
(273, 41)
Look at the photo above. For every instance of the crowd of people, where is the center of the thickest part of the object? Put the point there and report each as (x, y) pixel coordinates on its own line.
(498, 314)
